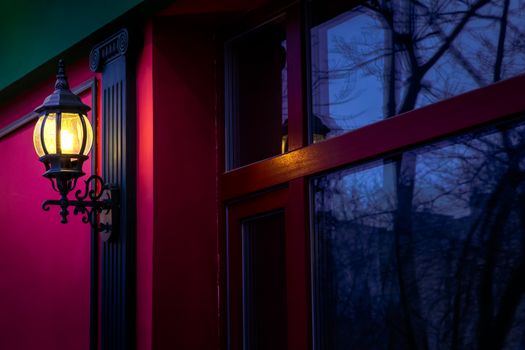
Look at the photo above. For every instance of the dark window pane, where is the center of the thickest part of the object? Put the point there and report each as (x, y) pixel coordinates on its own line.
(264, 282)
(388, 57)
(425, 250)
(258, 108)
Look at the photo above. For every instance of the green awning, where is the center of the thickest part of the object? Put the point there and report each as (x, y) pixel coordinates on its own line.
(34, 31)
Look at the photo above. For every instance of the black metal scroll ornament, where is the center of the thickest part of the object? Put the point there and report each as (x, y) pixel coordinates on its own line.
(90, 204)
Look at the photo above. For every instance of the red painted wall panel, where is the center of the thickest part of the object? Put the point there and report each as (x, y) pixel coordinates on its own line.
(185, 188)
(145, 193)
(44, 266)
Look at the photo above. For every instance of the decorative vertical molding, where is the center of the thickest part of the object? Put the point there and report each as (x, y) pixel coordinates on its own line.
(111, 58)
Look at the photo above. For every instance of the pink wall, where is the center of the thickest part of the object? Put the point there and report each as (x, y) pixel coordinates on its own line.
(44, 266)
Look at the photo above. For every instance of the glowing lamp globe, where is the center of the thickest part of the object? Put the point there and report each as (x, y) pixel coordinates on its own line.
(63, 135)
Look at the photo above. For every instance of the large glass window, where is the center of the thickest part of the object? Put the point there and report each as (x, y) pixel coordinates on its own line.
(384, 58)
(420, 249)
(424, 250)
(257, 107)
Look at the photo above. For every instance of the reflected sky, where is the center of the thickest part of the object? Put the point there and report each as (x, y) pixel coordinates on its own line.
(346, 101)
(375, 61)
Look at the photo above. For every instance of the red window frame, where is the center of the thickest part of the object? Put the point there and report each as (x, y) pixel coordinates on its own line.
(492, 103)
(487, 105)
(292, 199)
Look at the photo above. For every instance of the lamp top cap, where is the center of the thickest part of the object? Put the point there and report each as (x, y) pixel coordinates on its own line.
(62, 99)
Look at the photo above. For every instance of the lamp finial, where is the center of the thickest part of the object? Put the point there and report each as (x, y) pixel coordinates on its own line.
(61, 83)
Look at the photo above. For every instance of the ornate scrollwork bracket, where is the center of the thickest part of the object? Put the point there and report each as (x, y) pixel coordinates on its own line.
(98, 204)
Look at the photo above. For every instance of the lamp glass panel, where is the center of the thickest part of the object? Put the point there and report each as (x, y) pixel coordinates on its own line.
(49, 135)
(37, 142)
(71, 134)
(89, 134)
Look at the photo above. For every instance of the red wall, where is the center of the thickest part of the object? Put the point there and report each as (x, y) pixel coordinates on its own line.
(44, 266)
(185, 311)
(145, 193)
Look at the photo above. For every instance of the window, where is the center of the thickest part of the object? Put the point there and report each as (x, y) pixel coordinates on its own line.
(257, 108)
(381, 59)
(425, 249)
(263, 293)
(266, 299)
(404, 185)
(264, 279)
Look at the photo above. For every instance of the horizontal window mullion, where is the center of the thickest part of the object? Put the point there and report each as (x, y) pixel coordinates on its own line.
(456, 114)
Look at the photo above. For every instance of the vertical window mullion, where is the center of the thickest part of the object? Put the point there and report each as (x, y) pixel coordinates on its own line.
(298, 266)
(295, 38)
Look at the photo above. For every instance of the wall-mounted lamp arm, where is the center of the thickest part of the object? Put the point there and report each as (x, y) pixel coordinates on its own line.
(95, 189)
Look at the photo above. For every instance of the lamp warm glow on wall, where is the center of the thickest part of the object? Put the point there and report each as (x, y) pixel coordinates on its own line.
(63, 137)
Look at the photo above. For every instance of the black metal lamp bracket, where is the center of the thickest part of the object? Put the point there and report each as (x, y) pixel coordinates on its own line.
(90, 203)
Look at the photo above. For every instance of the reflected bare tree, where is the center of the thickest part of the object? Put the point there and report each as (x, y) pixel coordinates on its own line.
(418, 52)
(467, 248)
(425, 44)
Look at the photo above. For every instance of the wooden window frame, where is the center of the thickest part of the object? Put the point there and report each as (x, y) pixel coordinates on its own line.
(292, 199)
(473, 109)
(487, 105)
(254, 207)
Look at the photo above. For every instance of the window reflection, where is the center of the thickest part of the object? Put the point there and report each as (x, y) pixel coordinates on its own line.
(264, 282)
(257, 104)
(425, 250)
(384, 58)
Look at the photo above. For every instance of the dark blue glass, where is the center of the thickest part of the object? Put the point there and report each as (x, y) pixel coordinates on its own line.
(425, 249)
(264, 282)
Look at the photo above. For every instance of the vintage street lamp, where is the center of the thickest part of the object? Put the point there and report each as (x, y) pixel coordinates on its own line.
(63, 138)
